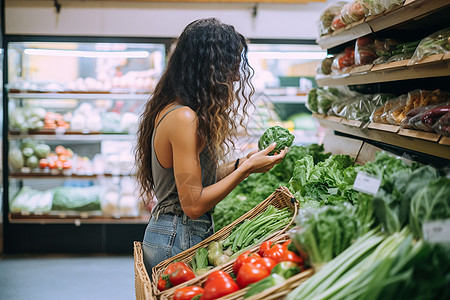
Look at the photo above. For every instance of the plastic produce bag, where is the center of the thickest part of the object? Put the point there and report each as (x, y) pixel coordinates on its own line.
(375, 7)
(325, 98)
(31, 200)
(381, 113)
(442, 125)
(413, 119)
(353, 11)
(365, 52)
(76, 198)
(327, 16)
(343, 60)
(325, 65)
(438, 42)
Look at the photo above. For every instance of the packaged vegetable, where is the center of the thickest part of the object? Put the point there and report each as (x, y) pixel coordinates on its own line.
(327, 16)
(344, 60)
(31, 200)
(383, 47)
(337, 22)
(413, 119)
(430, 117)
(325, 65)
(76, 198)
(353, 11)
(325, 98)
(365, 52)
(381, 114)
(438, 42)
(375, 7)
(442, 126)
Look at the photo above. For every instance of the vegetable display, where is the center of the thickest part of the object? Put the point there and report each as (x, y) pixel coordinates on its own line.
(276, 134)
(257, 187)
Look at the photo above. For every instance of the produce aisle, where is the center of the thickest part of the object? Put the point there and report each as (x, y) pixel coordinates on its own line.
(363, 216)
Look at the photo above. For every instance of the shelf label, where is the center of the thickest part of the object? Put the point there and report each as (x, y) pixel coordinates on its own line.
(367, 183)
(437, 231)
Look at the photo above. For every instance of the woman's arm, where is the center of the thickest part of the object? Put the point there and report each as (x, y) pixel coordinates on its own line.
(194, 198)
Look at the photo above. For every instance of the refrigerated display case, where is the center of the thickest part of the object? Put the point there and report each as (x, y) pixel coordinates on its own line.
(73, 110)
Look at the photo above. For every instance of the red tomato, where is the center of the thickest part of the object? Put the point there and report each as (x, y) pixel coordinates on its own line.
(291, 256)
(247, 256)
(220, 285)
(43, 163)
(216, 274)
(187, 292)
(264, 247)
(285, 244)
(275, 253)
(60, 150)
(162, 285)
(175, 274)
(265, 262)
(52, 164)
(250, 273)
(67, 164)
(63, 158)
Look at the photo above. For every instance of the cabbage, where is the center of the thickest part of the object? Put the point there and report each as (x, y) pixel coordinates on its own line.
(15, 159)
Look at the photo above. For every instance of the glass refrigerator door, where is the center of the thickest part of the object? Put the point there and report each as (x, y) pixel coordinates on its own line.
(73, 113)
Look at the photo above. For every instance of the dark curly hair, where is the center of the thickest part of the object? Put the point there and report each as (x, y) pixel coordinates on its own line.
(207, 71)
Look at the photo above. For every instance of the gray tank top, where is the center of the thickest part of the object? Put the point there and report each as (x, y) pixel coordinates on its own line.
(164, 179)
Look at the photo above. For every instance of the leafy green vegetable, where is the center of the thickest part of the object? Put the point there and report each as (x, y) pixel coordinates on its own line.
(257, 187)
(77, 199)
(325, 232)
(430, 203)
(312, 103)
(276, 134)
(327, 182)
(200, 259)
(399, 183)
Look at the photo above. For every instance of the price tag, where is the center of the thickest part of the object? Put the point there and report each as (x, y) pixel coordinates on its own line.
(367, 183)
(437, 231)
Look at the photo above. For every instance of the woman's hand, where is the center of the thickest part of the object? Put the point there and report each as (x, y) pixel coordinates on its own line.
(260, 162)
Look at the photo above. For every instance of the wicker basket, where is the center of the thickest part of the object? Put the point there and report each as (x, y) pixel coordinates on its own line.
(276, 292)
(280, 198)
(142, 283)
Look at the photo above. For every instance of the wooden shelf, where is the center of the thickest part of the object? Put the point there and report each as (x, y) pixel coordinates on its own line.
(433, 66)
(424, 142)
(400, 14)
(73, 218)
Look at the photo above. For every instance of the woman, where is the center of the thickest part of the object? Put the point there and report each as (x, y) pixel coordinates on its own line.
(186, 128)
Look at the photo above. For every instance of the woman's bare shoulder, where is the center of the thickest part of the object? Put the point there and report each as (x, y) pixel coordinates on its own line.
(184, 116)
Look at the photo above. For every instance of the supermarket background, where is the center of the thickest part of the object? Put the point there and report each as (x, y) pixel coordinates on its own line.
(77, 73)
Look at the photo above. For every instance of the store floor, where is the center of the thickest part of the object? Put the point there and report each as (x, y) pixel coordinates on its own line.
(66, 278)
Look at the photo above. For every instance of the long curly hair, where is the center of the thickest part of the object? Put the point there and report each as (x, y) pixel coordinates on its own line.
(207, 71)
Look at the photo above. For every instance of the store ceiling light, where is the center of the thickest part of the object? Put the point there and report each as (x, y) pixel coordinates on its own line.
(88, 54)
(288, 55)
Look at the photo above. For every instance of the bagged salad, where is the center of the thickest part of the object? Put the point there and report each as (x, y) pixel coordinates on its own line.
(375, 7)
(438, 42)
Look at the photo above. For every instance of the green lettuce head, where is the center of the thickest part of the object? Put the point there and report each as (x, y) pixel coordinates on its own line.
(276, 134)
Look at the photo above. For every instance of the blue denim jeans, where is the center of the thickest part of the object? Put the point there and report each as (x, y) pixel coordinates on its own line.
(171, 234)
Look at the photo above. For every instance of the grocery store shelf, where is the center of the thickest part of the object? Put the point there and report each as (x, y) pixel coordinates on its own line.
(409, 11)
(73, 218)
(71, 137)
(433, 66)
(80, 96)
(58, 174)
(424, 142)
